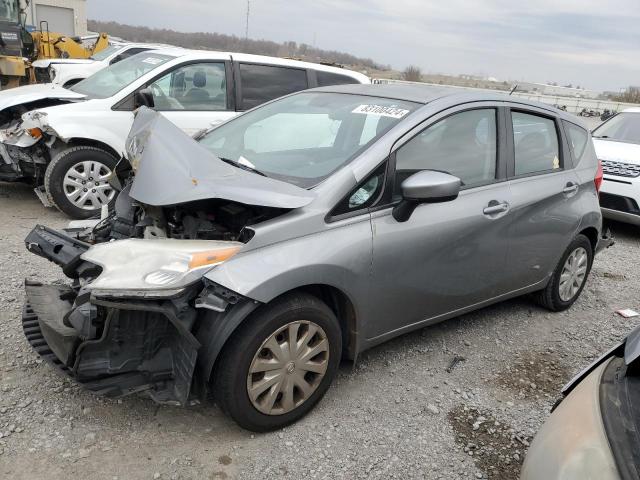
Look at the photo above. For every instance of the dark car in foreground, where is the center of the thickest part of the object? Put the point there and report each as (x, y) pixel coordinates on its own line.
(244, 266)
(594, 432)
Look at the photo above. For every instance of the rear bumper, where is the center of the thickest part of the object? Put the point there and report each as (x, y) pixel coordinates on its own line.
(621, 216)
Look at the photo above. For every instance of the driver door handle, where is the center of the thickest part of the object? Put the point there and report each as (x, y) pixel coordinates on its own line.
(495, 207)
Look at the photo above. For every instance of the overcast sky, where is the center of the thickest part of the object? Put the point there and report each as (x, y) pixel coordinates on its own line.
(592, 43)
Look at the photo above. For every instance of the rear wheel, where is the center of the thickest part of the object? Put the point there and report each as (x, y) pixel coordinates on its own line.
(279, 364)
(569, 277)
(77, 183)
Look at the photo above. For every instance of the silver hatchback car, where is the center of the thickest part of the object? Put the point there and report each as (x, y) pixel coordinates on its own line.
(245, 265)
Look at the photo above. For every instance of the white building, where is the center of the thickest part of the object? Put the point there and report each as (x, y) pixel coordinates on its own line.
(557, 90)
(63, 16)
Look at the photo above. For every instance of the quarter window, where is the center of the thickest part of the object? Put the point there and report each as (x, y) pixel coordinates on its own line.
(536, 144)
(329, 78)
(463, 145)
(578, 137)
(261, 83)
(200, 86)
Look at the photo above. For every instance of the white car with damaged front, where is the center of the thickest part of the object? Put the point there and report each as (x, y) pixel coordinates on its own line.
(617, 143)
(67, 142)
(69, 71)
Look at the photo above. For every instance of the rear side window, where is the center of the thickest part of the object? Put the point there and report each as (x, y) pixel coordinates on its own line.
(261, 83)
(578, 137)
(463, 145)
(536, 144)
(328, 78)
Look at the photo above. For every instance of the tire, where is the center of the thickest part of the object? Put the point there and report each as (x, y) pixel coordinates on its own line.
(231, 380)
(70, 161)
(552, 297)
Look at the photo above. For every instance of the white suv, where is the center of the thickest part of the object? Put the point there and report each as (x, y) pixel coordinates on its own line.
(69, 71)
(69, 140)
(617, 143)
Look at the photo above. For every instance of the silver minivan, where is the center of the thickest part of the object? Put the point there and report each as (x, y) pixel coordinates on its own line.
(245, 265)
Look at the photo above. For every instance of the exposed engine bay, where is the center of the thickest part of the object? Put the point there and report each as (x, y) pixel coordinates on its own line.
(213, 219)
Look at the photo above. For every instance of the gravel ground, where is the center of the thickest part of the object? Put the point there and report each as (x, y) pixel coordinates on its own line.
(458, 400)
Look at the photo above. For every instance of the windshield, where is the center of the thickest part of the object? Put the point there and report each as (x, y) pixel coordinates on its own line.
(624, 127)
(9, 11)
(103, 54)
(109, 81)
(304, 138)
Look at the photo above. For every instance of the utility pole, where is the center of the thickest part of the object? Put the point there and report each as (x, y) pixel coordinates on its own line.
(246, 32)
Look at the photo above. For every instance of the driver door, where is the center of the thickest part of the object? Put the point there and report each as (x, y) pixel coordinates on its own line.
(194, 96)
(448, 255)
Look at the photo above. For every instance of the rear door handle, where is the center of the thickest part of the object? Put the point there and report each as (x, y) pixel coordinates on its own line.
(495, 207)
(570, 188)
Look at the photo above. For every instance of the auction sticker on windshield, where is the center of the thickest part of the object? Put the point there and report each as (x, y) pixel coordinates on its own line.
(381, 111)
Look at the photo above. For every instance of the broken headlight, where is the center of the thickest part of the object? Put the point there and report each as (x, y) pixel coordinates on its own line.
(136, 267)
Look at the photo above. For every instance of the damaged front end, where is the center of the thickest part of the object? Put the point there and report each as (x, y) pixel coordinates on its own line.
(25, 138)
(25, 148)
(128, 322)
(139, 314)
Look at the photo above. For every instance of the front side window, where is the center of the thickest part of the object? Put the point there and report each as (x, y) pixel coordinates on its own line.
(201, 86)
(304, 138)
(463, 145)
(109, 81)
(536, 144)
(330, 78)
(261, 83)
(624, 127)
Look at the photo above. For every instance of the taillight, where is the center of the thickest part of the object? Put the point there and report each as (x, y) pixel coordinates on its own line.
(599, 175)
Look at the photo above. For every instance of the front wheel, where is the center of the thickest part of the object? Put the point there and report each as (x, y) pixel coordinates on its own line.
(569, 277)
(77, 181)
(279, 364)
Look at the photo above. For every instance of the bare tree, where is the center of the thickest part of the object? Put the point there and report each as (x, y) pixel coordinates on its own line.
(232, 43)
(412, 74)
(630, 95)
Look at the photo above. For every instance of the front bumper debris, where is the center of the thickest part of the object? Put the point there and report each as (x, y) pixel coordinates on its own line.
(114, 348)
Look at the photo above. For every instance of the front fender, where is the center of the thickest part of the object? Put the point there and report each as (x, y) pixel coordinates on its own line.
(93, 126)
(339, 257)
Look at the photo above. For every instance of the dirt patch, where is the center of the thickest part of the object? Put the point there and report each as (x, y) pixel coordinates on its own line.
(534, 374)
(496, 448)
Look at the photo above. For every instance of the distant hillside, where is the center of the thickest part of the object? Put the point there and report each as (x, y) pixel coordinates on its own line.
(231, 43)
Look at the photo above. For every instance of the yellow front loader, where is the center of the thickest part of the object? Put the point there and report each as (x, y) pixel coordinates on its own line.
(18, 47)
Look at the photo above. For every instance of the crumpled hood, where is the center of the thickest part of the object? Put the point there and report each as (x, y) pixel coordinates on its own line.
(172, 168)
(33, 93)
(617, 151)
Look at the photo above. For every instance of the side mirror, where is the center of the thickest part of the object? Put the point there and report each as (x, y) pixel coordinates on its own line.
(143, 98)
(427, 186)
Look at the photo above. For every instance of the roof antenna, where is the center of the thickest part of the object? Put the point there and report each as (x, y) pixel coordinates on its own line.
(515, 87)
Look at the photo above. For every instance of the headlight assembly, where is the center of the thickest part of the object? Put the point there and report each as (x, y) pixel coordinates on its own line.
(150, 268)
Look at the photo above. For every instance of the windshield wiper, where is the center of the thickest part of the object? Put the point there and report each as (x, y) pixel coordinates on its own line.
(601, 136)
(242, 166)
